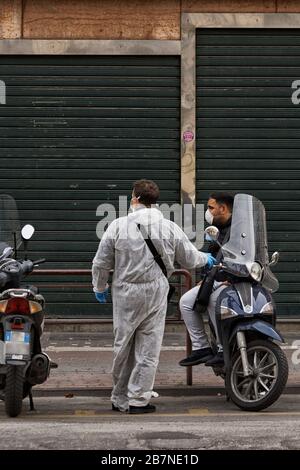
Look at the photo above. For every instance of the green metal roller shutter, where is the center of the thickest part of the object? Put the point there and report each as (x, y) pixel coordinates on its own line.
(76, 132)
(248, 134)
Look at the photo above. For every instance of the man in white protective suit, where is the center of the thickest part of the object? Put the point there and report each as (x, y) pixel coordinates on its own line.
(139, 292)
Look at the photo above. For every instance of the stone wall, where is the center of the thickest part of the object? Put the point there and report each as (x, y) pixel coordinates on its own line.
(11, 19)
(116, 19)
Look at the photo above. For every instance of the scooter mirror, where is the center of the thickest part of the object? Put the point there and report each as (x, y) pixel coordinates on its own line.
(27, 232)
(212, 233)
(274, 259)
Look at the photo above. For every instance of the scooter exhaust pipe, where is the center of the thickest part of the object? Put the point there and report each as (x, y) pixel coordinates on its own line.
(39, 361)
(39, 369)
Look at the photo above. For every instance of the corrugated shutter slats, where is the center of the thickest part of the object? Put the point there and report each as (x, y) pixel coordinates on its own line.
(76, 132)
(248, 134)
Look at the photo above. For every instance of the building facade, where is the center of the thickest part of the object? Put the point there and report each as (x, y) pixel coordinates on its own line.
(197, 95)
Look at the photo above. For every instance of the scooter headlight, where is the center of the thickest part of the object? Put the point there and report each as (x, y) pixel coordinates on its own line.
(227, 312)
(255, 271)
(268, 309)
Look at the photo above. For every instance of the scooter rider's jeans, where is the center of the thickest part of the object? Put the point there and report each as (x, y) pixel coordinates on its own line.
(194, 320)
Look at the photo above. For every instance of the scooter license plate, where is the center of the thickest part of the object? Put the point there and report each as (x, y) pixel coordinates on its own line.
(17, 337)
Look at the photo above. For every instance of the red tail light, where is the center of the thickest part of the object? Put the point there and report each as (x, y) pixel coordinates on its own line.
(18, 305)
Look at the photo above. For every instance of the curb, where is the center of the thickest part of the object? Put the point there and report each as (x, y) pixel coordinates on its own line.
(162, 390)
(104, 325)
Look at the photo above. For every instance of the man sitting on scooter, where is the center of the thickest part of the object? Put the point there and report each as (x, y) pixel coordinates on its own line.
(219, 211)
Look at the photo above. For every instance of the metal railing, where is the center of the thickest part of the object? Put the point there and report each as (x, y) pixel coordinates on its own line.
(187, 285)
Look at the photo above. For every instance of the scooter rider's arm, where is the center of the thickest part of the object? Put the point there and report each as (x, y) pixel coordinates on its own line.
(104, 259)
(186, 253)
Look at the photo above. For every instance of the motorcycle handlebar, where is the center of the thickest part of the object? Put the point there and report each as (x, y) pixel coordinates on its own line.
(39, 261)
(220, 266)
(26, 267)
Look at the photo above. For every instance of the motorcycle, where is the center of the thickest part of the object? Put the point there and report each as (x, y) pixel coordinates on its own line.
(22, 362)
(255, 367)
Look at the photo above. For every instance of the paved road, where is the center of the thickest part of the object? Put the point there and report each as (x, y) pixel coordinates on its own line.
(180, 423)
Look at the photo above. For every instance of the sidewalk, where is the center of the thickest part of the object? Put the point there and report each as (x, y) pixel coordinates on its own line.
(85, 361)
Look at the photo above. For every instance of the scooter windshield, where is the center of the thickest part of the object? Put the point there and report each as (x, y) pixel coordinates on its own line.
(248, 240)
(9, 223)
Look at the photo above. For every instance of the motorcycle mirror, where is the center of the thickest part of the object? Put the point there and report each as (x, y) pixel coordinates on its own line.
(212, 233)
(274, 259)
(27, 232)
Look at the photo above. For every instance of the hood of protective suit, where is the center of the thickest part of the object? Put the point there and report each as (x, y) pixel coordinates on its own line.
(145, 216)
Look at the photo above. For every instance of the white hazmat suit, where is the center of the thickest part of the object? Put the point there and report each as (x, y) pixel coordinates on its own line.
(139, 296)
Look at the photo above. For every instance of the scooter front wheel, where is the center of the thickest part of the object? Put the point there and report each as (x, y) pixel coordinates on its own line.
(13, 394)
(268, 376)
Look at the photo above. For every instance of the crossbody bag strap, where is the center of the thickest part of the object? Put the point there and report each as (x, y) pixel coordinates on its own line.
(154, 252)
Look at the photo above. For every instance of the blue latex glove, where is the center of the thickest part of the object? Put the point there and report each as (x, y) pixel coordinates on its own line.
(102, 296)
(210, 261)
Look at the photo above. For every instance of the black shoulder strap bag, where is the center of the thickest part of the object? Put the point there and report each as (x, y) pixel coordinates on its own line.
(158, 260)
(206, 287)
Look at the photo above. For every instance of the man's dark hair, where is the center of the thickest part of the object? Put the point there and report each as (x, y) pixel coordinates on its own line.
(147, 191)
(223, 198)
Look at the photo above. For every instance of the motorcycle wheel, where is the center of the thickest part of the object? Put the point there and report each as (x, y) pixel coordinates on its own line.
(13, 394)
(265, 384)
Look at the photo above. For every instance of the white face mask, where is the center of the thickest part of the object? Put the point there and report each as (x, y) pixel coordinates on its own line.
(209, 217)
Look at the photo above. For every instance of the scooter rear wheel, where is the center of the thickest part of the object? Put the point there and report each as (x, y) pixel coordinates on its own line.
(265, 384)
(13, 394)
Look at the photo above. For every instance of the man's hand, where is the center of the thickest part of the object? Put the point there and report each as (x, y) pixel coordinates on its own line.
(102, 296)
(210, 261)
